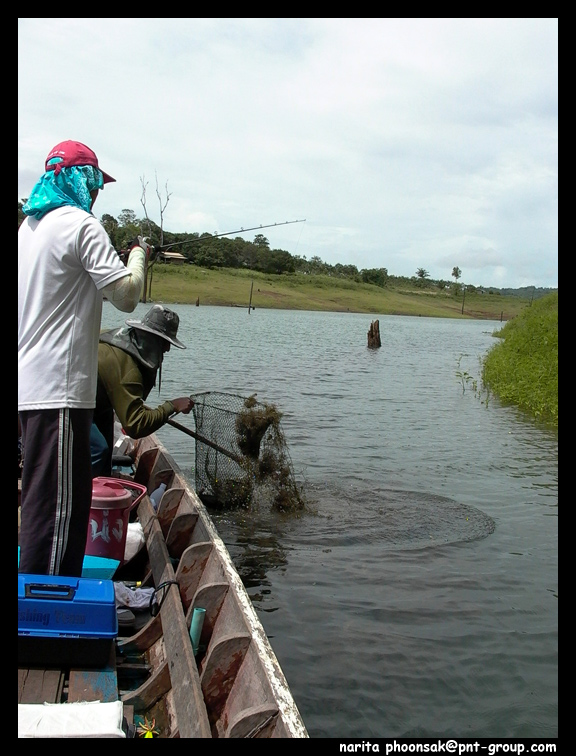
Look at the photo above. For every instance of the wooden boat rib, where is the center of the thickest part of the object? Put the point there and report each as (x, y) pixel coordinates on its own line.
(234, 686)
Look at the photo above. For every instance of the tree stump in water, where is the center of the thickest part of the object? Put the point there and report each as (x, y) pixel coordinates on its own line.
(374, 335)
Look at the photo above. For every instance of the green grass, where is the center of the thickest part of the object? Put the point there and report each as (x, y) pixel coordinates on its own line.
(225, 287)
(523, 368)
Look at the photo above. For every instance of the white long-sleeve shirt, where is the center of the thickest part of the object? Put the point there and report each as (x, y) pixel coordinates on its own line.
(66, 263)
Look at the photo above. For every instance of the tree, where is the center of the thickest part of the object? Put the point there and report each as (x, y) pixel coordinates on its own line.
(456, 273)
(208, 257)
(144, 184)
(300, 263)
(111, 227)
(127, 218)
(375, 276)
(316, 265)
(148, 266)
(261, 241)
(128, 228)
(276, 261)
(346, 271)
(422, 276)
(163, 204)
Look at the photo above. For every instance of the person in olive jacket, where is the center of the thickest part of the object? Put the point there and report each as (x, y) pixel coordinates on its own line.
(129, 359)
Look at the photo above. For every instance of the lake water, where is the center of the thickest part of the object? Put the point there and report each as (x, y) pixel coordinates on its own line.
(417, 595)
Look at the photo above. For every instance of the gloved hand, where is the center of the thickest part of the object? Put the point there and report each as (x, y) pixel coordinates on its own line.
(141, 241)
(183, 404)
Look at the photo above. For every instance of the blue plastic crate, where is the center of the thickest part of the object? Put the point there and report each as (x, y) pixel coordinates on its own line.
(65, 621)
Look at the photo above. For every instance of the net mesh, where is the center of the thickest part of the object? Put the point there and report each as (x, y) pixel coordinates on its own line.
(243, 459)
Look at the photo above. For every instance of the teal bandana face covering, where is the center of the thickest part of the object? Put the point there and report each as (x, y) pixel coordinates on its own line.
(67, 186)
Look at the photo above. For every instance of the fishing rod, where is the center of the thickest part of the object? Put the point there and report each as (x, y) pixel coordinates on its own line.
(227, 233)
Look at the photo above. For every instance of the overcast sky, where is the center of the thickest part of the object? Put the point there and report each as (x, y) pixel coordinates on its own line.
(404, 143)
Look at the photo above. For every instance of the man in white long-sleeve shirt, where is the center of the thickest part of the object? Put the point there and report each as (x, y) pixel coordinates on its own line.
(66, 265)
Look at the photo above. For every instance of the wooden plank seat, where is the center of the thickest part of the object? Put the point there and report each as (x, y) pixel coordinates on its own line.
(146, 463)
(190, 569)
(179, 676)
(219, 669)
(141, 641)
(168, 507)
(178, 538)
(254, 722)
(209, 597)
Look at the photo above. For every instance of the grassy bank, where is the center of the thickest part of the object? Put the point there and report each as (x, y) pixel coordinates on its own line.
(225, 287)
(522, 369)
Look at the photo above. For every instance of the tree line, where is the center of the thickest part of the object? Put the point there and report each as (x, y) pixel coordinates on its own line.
(207, 251)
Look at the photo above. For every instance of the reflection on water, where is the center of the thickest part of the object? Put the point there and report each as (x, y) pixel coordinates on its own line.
(417, 596)
(255, 551)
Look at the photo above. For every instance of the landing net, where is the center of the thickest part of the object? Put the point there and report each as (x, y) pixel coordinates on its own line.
(252, 464)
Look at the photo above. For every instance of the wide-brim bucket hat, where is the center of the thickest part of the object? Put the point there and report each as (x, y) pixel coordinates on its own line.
(161, 321)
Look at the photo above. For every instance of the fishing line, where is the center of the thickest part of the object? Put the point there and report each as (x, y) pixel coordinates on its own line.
(298, 242)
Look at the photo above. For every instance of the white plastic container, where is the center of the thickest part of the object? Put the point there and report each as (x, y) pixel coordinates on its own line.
(156, 495)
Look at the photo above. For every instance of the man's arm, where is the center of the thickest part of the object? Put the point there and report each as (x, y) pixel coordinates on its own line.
(125, 293)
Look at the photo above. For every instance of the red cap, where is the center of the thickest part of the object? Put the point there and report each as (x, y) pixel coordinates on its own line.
(75, 153)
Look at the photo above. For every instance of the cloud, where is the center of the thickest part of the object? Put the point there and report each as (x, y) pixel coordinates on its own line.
(405, 143)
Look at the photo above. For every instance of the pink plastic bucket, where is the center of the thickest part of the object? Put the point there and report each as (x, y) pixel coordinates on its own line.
(112, 501)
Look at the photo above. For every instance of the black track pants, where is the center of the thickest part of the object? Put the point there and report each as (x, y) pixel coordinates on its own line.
(56, 490)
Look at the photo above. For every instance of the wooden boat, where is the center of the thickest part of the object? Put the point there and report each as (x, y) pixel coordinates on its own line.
(234, 686)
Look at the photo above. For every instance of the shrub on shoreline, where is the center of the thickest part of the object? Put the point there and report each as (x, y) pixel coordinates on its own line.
(523, 368)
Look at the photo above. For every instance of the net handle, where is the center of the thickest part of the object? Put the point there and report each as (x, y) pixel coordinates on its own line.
(206, 441)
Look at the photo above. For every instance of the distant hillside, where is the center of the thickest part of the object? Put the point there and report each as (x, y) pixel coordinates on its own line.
(209, 251)
(186, 284)
(526, 292)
